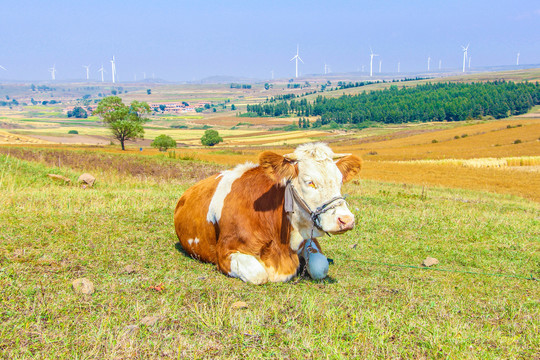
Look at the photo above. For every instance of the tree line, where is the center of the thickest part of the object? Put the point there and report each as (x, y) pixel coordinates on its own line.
(423, 103)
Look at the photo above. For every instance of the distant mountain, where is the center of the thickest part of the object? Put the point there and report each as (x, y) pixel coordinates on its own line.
(224, 79)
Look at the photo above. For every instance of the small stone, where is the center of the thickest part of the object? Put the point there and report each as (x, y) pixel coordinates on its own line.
(129, 269)
(353, 246)
(83, 286)
(150, 320)
(87, 179)
(239, 305)
(59, 178)
(430, 262)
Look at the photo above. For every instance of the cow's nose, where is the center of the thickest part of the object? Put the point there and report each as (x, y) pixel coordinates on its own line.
(345, 222)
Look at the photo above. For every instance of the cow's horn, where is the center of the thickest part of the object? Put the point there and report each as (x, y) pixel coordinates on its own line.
(291, 156)
(339, 156)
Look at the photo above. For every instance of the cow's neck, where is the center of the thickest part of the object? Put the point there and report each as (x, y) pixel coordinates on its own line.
(302, 228)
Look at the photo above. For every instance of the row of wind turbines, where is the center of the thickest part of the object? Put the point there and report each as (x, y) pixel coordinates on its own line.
(466, 58)
(87, 67)
(296, 58)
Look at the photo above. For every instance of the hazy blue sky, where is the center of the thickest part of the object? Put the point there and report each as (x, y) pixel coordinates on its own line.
(188, 40)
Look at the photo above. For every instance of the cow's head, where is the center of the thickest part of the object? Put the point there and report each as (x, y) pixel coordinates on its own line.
(317, 175)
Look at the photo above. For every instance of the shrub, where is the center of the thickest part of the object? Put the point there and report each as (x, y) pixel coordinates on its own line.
(73, 132)
(456, 137)
(434, 141)
(517, 141)
(163, 142)
(464, 135)
(211, 138)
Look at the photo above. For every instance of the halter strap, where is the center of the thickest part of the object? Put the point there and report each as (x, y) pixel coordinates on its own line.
(292, 195)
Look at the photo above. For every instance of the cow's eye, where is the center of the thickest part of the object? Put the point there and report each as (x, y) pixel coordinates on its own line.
(311, 184)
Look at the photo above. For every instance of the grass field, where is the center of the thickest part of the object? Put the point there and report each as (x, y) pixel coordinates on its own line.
(466, 193)
(377, 303)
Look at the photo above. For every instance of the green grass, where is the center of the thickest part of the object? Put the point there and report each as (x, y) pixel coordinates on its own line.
(53, 234)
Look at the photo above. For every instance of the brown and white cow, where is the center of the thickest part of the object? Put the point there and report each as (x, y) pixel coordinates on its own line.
(236, 219)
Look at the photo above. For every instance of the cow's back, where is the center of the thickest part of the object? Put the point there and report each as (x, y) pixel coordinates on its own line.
(197, 236)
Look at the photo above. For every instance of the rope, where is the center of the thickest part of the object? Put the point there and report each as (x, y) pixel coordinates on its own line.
(531, 277)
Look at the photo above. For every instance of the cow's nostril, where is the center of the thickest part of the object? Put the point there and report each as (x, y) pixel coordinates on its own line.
(346, 222)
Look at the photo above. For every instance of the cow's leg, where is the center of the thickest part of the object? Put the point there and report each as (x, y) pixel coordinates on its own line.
(247, 268)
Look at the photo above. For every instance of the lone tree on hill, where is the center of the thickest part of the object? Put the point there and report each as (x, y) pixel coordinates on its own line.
(211, 138)
(163, 142)
(125, 122)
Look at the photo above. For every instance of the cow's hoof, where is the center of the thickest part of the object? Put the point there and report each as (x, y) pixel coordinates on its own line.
(317, 266)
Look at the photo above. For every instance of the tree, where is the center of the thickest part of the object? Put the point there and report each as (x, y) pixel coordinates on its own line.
(149, 91)
(211, 138)
(125, 122)
(78, 112)
(163, 142)
(162, 107)
(233, 107)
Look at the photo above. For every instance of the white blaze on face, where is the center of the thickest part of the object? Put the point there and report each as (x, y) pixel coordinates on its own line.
(319, 180)
(223, 189)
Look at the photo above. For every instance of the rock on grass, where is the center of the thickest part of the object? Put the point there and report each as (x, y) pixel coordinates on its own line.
(87, 179)
(83, 286)
(59, 178)
(150, 320)
(430, 262)
(239, 305)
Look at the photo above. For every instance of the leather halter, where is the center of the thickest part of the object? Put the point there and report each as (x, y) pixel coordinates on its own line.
(292, 195)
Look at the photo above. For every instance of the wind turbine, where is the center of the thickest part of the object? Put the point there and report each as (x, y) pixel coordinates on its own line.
(440, 62)
(272, 73)
(398, 66)
(325, 69)
(428, 62)
(101, 70)
(380, 66)
(470, 57)
(517, 60)
(87, 67)
(371, 62)
(297, 57)
(53, 72)
(113, 69)
(465, 54)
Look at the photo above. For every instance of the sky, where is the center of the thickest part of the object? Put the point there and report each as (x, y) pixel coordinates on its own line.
(191, 40)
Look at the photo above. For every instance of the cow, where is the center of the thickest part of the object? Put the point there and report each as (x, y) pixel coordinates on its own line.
(254, 220)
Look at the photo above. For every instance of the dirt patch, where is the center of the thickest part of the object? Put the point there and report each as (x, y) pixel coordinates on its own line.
(75, 139)
(89, 140)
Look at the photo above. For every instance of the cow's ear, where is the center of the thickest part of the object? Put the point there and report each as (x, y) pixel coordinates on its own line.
(349, 166)
(278, 167)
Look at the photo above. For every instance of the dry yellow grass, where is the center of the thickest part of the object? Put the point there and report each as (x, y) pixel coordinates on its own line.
(524, 184)
(491, 139)
(7, 138)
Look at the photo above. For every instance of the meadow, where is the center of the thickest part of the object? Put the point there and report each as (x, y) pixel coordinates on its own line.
(152, 301)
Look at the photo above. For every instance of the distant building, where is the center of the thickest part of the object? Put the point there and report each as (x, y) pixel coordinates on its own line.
(173, 107)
